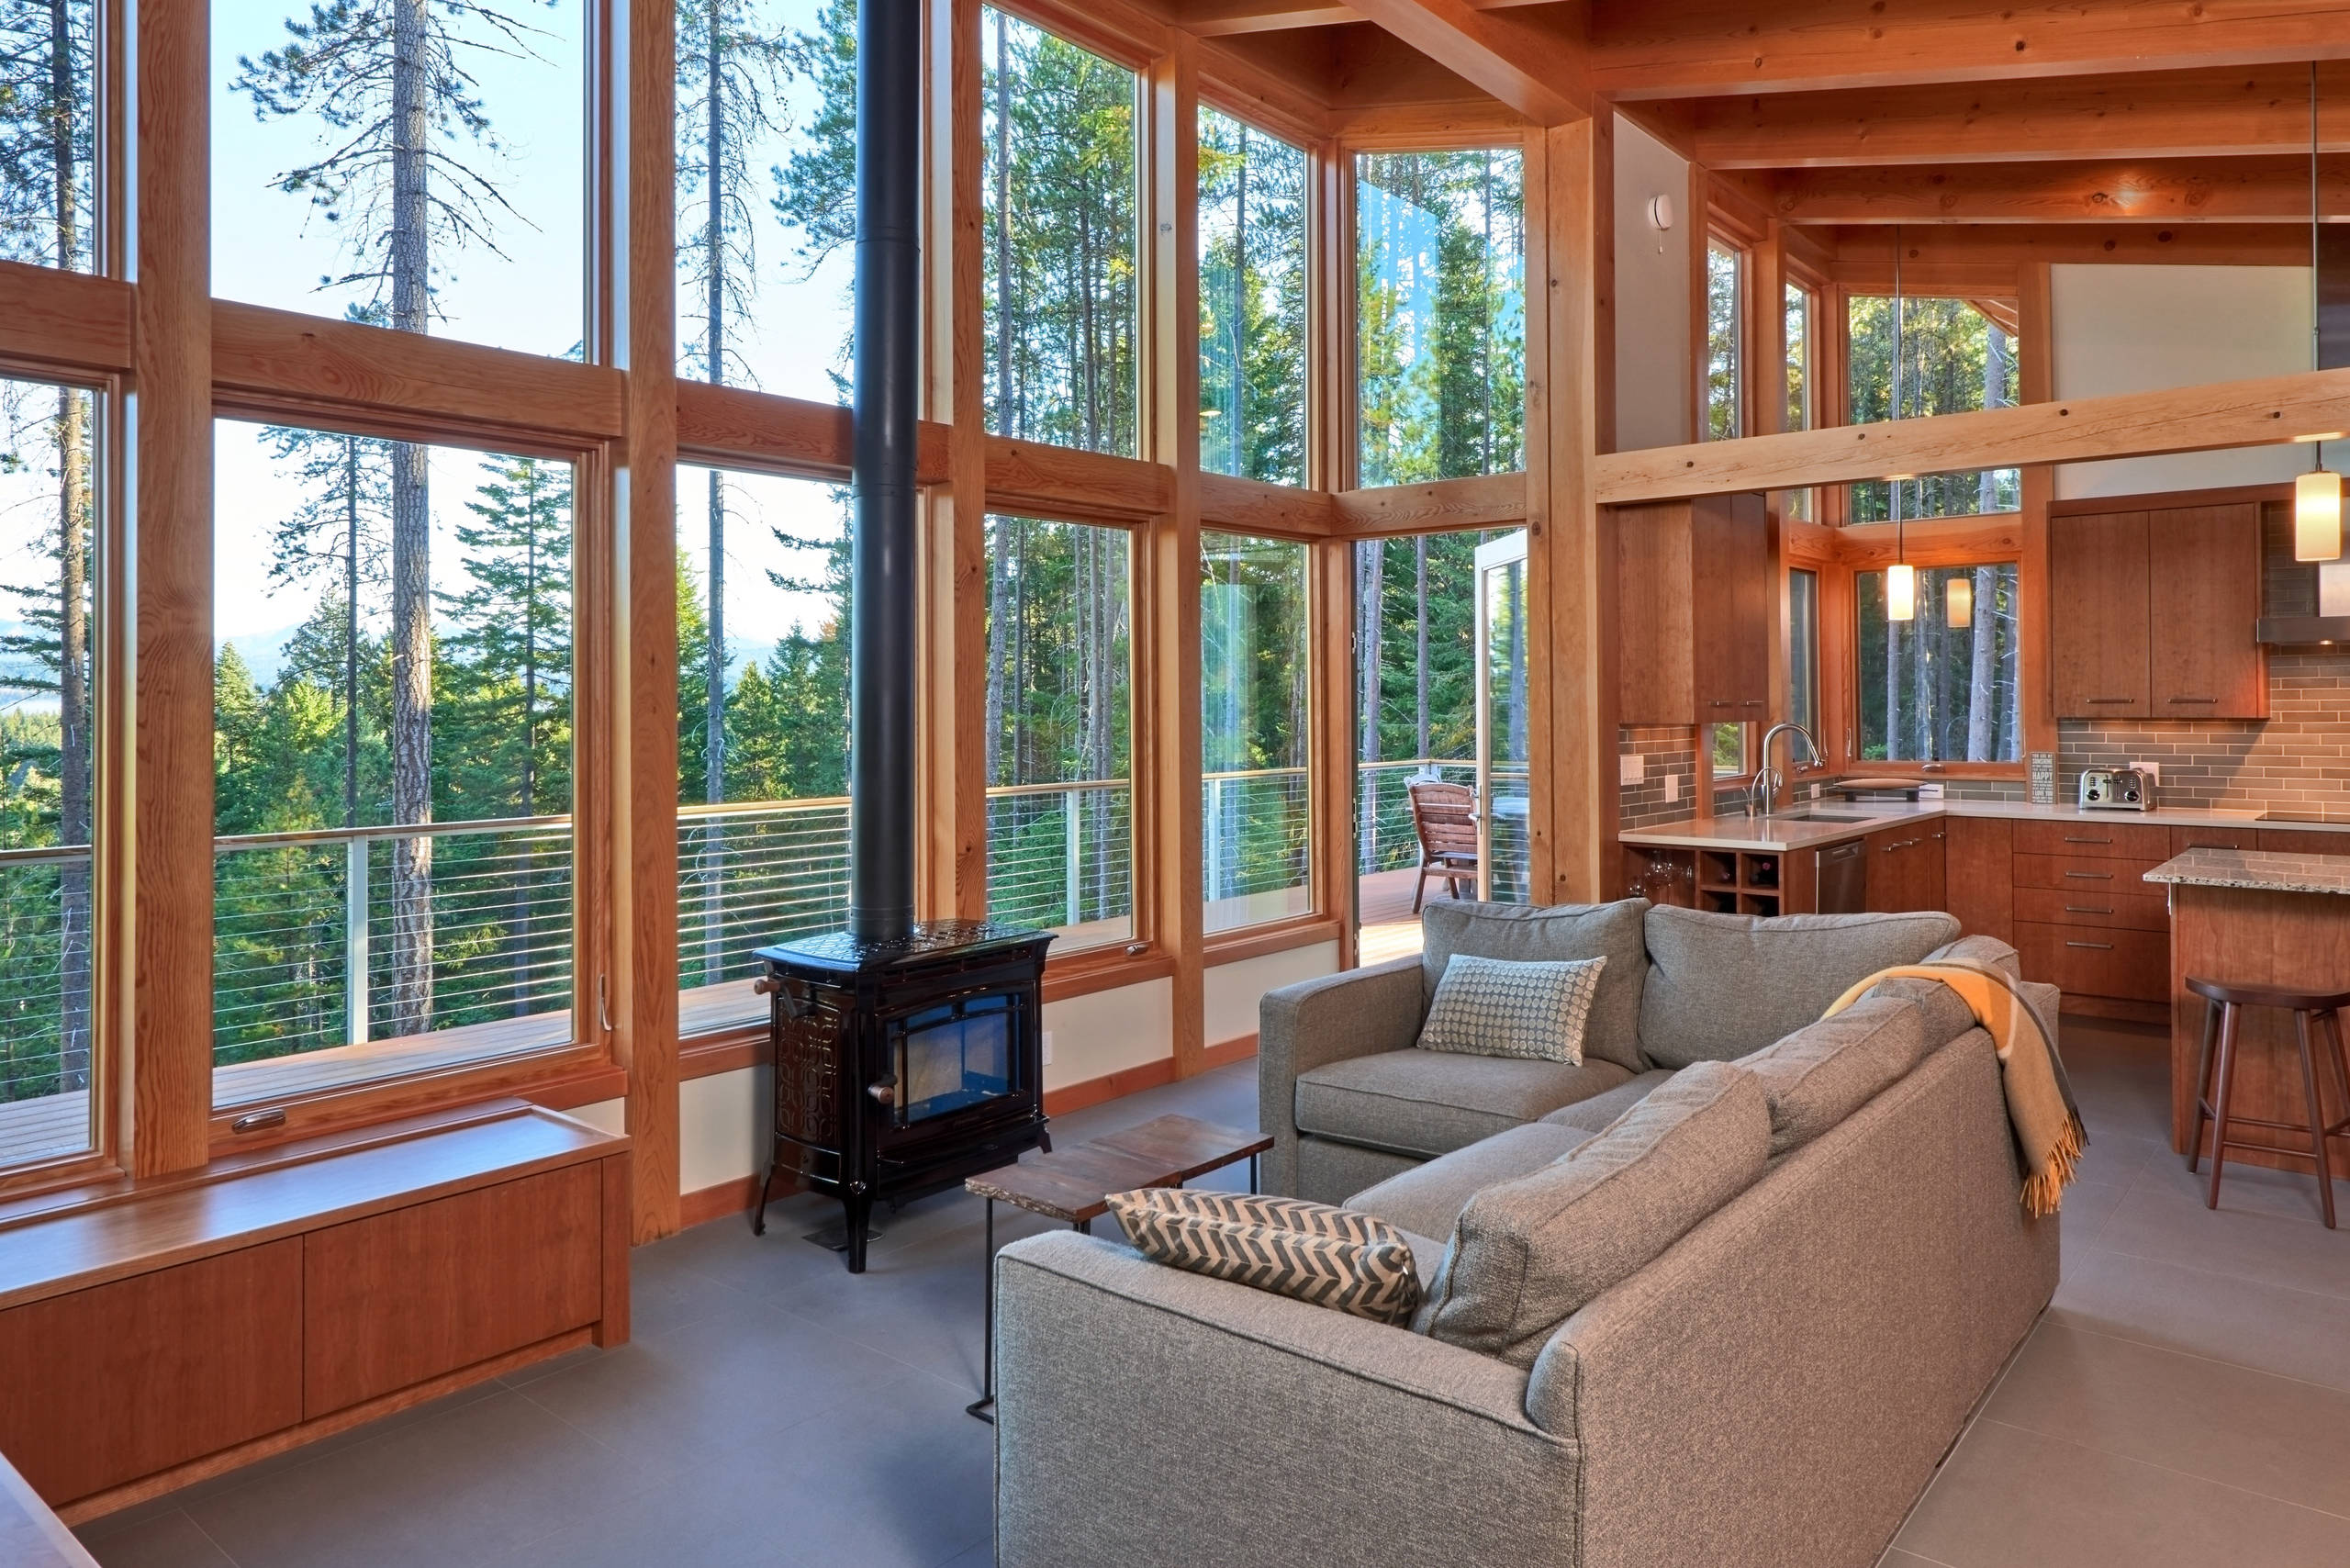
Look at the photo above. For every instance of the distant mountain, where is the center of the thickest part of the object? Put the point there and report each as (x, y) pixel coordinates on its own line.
(264, 652)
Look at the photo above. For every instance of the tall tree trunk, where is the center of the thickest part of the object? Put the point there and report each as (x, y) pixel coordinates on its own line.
(714, 324)
(1238, 412)
(2009, 693)
(350, 631)
(73, 740)
(1369, 591)
(411, 979)
(1983, 711)
(1002, 612)
(1994, 395)
(519, 940)
(1894, 638)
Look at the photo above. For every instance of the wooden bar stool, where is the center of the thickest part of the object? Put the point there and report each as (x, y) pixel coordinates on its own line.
(2222, 1004)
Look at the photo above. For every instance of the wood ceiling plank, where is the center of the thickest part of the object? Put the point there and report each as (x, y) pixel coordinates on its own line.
(2268, 189)
(2175, 114)
(1644, 48)
(2266, 411)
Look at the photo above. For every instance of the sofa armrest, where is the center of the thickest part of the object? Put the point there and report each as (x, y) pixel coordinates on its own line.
(1355, 1013)
(1146, 1415)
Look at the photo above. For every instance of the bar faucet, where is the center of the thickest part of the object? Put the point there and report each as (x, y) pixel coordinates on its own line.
(1762, 793)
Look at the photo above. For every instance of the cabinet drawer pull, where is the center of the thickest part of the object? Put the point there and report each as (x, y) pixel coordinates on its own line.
(2194, 699)
(1757, 702)
(2099, 947)
(2085, 909)
(2091, 876)
(2070, 839)
(2112, 700)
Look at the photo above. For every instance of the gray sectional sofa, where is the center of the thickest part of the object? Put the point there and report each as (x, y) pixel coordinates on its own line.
(1773, 1387)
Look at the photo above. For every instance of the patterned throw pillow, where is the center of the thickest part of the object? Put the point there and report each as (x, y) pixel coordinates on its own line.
(1501, 1007)
(1312, 1253)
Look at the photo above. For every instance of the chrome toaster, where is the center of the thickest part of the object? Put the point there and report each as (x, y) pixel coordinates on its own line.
(2116, 790)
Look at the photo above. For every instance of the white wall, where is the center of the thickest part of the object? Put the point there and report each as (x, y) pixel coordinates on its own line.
(2141, 329)
(1233, 991)
(1653, 360)
(1096, 1035)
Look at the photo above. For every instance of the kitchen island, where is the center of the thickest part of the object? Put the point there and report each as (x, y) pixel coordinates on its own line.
(2264, 918)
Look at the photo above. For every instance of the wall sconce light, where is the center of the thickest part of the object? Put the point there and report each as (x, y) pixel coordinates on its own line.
(1661, 212)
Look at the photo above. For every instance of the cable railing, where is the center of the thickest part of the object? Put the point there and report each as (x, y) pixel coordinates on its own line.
(45, 908)
(342, 936)
(1060, 855)
(1384, 838)
(752, 875)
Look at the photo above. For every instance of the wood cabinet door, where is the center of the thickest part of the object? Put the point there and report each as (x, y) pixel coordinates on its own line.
(1897, 877)
(1930, 870)
(2097, 586)
(1980, 875)
(2205, 661)
(1654, 610)
(1731, 578)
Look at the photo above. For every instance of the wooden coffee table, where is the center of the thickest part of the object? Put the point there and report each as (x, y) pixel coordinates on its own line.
(1073, 1185)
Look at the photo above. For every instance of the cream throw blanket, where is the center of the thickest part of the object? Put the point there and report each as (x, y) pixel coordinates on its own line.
(2040, 1103)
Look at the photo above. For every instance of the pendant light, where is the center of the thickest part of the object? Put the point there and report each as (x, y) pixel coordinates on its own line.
(1901, 578)
(1958, 599)
(2317, 495)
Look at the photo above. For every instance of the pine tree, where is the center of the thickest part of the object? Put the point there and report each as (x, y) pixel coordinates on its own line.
(390, 84)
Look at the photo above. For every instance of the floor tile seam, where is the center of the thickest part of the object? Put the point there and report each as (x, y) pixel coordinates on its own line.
(883, 1351)
(2174, 1470)
(1973, 1419)
(1913, 1552)
(2208, 1359)
(2241, 1278)
(211, 1540)
(963, 1550)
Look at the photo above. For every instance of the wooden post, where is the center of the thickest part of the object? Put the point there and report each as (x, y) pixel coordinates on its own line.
(953, 865)
(167, 1088)
(2036, 380)
(1570, 414)
(643, 1005)
(1169, 708)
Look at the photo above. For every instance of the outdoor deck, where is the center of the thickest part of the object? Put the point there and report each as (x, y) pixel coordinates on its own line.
(1390, 929)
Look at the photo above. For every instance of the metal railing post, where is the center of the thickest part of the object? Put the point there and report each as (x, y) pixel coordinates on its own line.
(355, 942)
(1069, 803)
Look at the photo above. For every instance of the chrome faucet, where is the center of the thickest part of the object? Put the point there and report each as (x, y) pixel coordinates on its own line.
(1763, 793)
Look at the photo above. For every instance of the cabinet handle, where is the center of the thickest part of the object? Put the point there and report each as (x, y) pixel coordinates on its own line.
(2070, 839)
(1719, 702)
(1757, 702)
(2194, 699)
(2096, 947)
(2091, 876)
(2085, 909)
(2112, 700)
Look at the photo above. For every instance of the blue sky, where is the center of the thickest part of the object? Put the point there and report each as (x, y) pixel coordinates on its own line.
(270, 247)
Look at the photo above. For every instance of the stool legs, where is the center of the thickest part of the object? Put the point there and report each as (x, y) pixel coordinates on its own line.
(2317, 1117)
(2225, 1073)
(2202, 1085)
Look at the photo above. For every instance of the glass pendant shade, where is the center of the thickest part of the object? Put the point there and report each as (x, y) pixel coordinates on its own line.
(2317, 516)
(1958, 601)
(1901, 591)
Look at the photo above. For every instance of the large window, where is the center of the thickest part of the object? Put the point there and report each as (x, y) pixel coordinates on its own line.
(1803, 652)
(49, 569)
(1956, 358)
(1252, 303)
(1440, 308)
(430, 185)
(1254, 729)
(1415, 682)
(1942, 686)
(763, 626)
(1725, 342)
(392, 757)
(49, 133)
(767, 199)
(1059, 189)
(1059, 701)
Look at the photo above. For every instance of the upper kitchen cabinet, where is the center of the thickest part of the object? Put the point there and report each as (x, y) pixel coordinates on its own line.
(1695, 579)
(2156, 609)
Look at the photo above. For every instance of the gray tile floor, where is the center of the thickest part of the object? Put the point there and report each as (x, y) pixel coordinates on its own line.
(2186, 1400)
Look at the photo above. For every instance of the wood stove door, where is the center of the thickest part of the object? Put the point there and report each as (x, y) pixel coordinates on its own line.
(963, 1062)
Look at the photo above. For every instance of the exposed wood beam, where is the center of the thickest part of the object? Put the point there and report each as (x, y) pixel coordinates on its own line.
(1222, 18)
(1531, 59)
(1647, 48)
(1252, 506)
(2171, 114)
(2263, 412)
(1497, 500)
(2272, 189)
(65, 322)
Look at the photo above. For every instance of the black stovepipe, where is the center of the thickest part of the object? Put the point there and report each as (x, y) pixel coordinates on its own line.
(882, 633)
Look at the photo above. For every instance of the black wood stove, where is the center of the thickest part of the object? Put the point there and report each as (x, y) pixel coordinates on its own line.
(904, 1065)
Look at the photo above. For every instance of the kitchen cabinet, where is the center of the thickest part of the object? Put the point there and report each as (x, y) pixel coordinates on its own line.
(2157, 609)
(1906, 868)
(1695, 580)
(2291, 841)
(1980, 875)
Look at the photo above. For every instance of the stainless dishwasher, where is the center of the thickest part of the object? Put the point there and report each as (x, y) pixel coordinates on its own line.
(1844, 877)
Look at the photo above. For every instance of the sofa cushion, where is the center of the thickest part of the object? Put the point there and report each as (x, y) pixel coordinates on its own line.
(1350, 1262)
(1825, 1071)
(1595, 1114)
(1429, 1103)
(1528, 1254)
(1610, 930)
(1537, 1009)
(1986, 952)
(1429, 1198)
(1720, 986)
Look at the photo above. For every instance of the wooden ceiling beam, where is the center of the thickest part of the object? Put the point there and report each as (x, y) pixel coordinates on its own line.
(1530, 58)
(2174, 114)
(1648, 48)
(1223, 18)
(2265, 412)
(2271, 189)
(1962, 258)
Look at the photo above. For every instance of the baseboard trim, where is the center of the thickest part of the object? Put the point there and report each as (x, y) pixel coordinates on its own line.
(2116, 1008)
(705, 1204)
(1229, 1052)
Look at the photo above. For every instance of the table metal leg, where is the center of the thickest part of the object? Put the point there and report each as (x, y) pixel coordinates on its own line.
(1252, 1173)
(984, 1407)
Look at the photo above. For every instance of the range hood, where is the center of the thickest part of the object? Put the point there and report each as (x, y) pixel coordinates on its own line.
(2321, 614)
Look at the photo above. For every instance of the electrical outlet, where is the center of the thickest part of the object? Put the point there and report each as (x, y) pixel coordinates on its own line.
(2153, 770)
(1048, 1048)
(1672, 787)
(1632, 768)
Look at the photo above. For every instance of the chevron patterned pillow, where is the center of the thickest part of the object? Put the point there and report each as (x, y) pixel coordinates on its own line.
(1330, 1256)
(1508, 1007)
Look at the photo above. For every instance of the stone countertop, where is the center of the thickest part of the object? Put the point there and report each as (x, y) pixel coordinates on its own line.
(2268, 872)
(1781, 833)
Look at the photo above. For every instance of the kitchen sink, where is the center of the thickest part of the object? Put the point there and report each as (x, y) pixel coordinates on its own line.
(1822, 817)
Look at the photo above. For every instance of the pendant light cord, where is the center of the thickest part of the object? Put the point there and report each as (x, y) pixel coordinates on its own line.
(1893, 486)
(2317, 335)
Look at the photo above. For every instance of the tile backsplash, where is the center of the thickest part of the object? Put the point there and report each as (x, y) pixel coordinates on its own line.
(2295, 760)
(1666, 751)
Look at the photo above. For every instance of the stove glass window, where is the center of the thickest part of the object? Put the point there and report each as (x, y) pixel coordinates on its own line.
(954, 1056)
